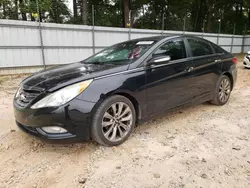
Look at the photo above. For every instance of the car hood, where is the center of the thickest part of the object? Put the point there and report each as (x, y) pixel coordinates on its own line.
(60, 76)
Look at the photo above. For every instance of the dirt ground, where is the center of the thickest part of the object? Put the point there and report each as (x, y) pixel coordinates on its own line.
(200, 146)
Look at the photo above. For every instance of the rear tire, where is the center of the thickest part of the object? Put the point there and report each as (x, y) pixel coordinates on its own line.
(222, 91)
(113, 121)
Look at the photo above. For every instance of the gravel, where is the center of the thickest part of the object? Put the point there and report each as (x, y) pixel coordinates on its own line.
(199, 146)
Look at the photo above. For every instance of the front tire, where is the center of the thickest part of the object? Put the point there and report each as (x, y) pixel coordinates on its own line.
(113, 121)
(222, 91)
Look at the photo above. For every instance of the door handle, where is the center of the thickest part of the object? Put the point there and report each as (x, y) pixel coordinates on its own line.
(190, 69)
(217, 61)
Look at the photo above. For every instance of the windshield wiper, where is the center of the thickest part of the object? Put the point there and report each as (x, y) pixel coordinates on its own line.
(95, 63)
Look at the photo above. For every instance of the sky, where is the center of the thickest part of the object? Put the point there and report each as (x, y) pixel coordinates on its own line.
(70, 5)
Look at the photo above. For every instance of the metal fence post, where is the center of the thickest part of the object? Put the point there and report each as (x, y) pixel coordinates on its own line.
(232, 41)
(93, 28)
(243, 40)
(203, 28)
(184, 25)
(162, 26)
(185, 20)
(129, 31)
(218, 36)
(129, 34)
(40, 34)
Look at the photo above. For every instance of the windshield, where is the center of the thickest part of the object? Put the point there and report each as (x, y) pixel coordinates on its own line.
(122, 53)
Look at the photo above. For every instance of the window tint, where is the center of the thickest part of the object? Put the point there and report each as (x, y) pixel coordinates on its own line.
(175, 49)
(199, 48)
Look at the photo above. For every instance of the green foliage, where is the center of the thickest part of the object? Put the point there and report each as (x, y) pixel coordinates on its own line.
(50, 10)
(191, 15)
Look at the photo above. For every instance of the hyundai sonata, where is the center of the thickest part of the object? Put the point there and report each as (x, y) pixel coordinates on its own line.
(105, 95)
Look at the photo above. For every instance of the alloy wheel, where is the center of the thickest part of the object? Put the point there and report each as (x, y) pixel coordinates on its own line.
(117, 121)
(224, 90)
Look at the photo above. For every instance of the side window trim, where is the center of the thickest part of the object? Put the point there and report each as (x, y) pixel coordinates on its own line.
(204, 56)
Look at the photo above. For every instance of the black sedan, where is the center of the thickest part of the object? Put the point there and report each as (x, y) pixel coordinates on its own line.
(104, 96)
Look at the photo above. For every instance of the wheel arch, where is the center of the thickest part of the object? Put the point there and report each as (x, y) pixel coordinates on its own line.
(130, 97)
(134, 102)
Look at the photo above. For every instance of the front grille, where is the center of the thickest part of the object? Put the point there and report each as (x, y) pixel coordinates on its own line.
(26, 97)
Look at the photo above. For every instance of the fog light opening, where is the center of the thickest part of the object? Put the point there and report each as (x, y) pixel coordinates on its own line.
(54, 130)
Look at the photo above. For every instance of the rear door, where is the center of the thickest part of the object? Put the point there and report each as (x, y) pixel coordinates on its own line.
(207, 67)
(167, 84)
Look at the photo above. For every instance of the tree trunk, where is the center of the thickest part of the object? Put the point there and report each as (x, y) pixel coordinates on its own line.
(248, 15)
(155, 14)
(198, 15)
(196, 20)
(132, 17)
(126, 13)
(74, 8)
(4, 10)
(41, 16)
(32, 17)
(209, 21)
(84, 12)
(241, 8)
(248, 18)
(23, 12)
(210, 4)
(16, 10)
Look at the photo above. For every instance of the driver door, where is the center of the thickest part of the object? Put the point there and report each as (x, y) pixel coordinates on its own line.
(168, 81)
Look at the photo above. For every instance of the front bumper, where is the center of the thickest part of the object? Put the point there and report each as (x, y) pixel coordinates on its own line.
(74, 116)
(38, 132)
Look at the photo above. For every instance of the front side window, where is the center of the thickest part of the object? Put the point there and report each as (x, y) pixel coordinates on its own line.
(175, 49)
(122, 53)
(199, 48)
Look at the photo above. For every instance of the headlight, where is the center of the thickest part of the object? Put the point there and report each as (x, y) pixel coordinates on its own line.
(62, 96)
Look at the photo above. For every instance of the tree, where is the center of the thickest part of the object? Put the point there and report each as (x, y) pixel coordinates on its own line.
(74, 9)
(58, 11)
(23, 11)
(148, 14)
(84, 12)
(126, 21)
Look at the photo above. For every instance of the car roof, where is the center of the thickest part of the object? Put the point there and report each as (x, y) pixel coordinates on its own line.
(154, 38)
(160, 37)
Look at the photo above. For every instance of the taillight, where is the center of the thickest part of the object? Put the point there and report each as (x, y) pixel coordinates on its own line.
(235, 60)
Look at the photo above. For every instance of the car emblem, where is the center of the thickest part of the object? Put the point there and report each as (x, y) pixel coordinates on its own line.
(22, 97)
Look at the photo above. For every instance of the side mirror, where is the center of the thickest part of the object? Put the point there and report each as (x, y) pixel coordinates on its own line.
(159, 60)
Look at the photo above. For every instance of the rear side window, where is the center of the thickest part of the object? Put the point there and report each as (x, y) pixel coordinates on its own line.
(218, 50)
(199, 48)
(175, 49)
